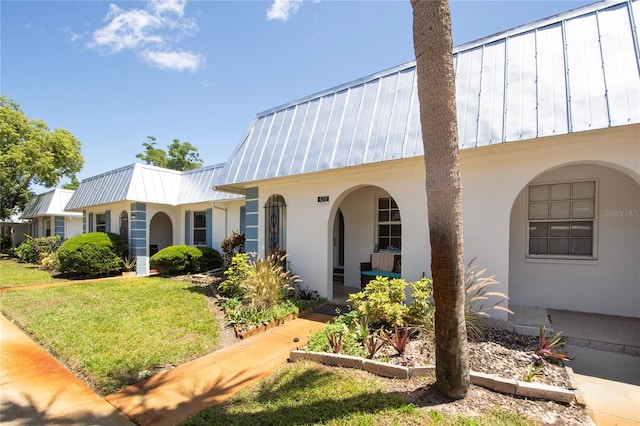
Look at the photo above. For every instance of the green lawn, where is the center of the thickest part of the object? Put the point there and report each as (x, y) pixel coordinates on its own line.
(15, 274)
(305, 393)
(116, 332)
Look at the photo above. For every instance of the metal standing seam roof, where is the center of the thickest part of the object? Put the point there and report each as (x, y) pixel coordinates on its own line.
(148, 184)
(50, 203)
(576, 71)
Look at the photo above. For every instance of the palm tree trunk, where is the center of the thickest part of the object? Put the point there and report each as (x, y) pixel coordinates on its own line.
(436, 92)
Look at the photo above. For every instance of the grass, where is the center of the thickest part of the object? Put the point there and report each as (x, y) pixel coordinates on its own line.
(116, 332)
(304, 393)
(15, 274)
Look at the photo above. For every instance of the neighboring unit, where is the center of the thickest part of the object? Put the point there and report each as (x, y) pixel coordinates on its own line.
(47, 215)
(154, 208)
(549, 132)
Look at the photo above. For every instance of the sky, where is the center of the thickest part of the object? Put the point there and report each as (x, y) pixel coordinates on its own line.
(113, 73)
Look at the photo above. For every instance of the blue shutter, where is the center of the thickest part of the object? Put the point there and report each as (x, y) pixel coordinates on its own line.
(84, 221)
(251, 215)
(187, 227)
(243, 219)
(209, 228)
(107, 220)
(90, 222)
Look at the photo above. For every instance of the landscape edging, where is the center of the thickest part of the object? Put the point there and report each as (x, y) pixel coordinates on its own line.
(488, 381)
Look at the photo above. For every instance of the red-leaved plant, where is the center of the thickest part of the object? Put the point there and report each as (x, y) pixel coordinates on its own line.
(547, 346)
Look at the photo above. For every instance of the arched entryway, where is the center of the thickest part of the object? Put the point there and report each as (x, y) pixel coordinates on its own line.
(575, 241)
(160, 233)
(365, 220)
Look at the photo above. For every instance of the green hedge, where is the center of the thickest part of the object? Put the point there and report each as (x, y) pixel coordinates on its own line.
(33, 250)
(184, 259)
(92, 254)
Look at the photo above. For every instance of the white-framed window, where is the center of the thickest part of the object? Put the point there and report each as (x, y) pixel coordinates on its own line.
(388, 223)
(562, 220)
(199, 228)
(101, 222)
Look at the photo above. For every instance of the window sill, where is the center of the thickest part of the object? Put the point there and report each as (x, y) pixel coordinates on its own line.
(562, 260)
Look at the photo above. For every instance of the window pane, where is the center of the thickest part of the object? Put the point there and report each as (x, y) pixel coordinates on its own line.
(396, 230)
(539, 229)
(538, 211)
(199, 237)
(539, 193)
(561, 210)
(583, 209)
(383, 216)
(559, 229)
(383, 230)
(101, 219)
(561, 191)
(537, 246)
(559, 246)
(383, 243)
(395, 215)
(199, 220)
(383, 203)
(393, 204)
(581, 229)
(582, 246)
(396, 242)
(584, 190)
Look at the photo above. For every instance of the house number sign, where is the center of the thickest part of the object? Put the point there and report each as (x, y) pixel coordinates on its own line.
(323, 199)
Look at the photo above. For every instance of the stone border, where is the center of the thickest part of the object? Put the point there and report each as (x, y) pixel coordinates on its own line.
(488, 381)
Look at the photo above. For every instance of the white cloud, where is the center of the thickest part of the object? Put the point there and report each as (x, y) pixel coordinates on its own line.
(179, 61)
(281, 9)
(151, 33)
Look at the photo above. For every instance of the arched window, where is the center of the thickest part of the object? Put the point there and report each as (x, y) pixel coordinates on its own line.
(275, 221)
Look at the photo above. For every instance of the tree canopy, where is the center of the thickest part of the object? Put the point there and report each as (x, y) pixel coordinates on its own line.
(179, 155)
(31, 153)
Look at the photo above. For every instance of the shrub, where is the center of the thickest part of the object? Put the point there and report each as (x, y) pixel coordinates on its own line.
(211, 259)
(5, 243)
(50, 262)
(422, 308)
(236, 273)
(382, 302)
(231, 246)
(178, 259)
(33, 250)
(92, 254)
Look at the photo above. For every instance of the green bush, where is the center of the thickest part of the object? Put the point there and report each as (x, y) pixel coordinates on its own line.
(236, 273)
(33, 250)
(178, 259)
(382, 302)
(92, 254)
(211, 259)
(5, 243)
(422, 308)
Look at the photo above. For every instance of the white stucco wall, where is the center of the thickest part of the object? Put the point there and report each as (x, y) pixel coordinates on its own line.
(492, 179)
